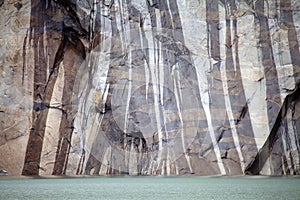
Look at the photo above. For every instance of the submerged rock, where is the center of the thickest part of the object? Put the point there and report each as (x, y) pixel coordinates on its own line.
(3, 172)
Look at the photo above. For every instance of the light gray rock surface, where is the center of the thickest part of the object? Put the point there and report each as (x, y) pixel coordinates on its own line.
(150, 87)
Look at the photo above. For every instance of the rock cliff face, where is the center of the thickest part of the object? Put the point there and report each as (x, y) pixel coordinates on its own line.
(157, 87)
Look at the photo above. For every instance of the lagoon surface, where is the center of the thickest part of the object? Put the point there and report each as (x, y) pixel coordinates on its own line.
(193, 187)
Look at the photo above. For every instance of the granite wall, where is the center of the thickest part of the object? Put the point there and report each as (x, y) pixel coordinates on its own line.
(149, 87)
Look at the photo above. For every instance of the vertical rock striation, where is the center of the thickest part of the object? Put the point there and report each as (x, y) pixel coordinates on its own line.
(151, 87)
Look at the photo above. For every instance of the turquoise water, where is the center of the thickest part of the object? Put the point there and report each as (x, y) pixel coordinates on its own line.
(151, 188)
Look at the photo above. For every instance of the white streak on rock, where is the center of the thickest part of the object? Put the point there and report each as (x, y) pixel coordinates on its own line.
(178, 96)
(252, 74)
(52, 126)
(227, 102)
(230, 116)
(195, 30)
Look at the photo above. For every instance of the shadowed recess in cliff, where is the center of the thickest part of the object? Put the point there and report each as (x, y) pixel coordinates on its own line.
(267, 58)
(272, 148)
(43, 24)
(42, 87)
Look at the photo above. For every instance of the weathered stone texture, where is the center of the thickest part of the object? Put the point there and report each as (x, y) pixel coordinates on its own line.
(156, 87)
(15, 85)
